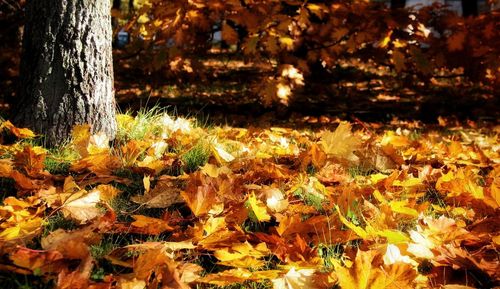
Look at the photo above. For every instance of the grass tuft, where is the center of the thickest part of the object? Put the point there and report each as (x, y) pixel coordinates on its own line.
(58, 221)
(196, 157)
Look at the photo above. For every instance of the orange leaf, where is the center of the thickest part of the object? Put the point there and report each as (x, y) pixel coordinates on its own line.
(148, 225)
(229, 35)
(199, 198)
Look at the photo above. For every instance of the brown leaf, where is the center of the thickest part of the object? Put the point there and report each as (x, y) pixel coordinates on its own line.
(229, 35)
(165, 193)
(200, 197)
(50, 261)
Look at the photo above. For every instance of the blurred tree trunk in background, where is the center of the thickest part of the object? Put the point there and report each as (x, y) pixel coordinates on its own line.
(396, 4)
(469, 8)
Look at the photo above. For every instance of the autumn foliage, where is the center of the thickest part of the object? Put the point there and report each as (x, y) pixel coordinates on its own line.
(315, 36)
(173, 205)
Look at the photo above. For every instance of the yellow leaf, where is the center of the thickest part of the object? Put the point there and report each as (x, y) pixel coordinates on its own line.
(341, 143)
(150, 225)
(242, 255)
(18, 132)
(258, 208)
(5, 168)
(84, 208)
(131, 284)
(401, 207)
(147, 183)
(363, 275)
(22, 229)
(228, 277)
(496, 240)
(81, 139)
(383, 43)
(297, 279)
(107, 192)
(214, 171)
(221, 154)
(358, 276)
(275, 200)
(358, 230)
(287, 42)
(392, 236)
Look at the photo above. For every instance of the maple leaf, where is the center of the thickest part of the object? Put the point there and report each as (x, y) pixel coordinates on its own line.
(296, 279)
(75, 202)
(155, 262)
(5, 168)
(31, 160)
(38, 260)
(165, 193)
(19, 219)
(81, 139)
(102, 164)
(77, 279)
(242, 255)
(341, 143)
(18, 132)
(359, 274)
(214, 171)
(461, 185)
(199, 198)
(23, 228)
(275, 200)
(71, 244)
(221, 154)
(149, 225)
(365, 273)
(258, 209)
(238, 275)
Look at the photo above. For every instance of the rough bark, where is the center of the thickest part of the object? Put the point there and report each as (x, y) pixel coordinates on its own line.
(66, 68)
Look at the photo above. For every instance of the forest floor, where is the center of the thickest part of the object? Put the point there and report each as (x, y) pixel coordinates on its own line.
(361, 183)
(175, 202)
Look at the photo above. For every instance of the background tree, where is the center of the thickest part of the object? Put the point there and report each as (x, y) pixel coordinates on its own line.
(469, 8)
(66, 68)
(396, 4)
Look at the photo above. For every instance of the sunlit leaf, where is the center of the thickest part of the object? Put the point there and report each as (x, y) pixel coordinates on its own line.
(341, 143)
(258, 209)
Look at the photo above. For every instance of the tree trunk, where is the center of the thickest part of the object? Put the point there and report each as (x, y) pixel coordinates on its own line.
(131, 6)
(117, 4)
(469, 8)
(398, 4)
(66, 69)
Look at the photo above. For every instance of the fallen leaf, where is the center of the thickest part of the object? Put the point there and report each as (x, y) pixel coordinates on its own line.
(341, 143)
(258, 209)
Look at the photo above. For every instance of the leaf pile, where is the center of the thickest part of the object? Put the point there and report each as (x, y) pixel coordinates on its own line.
(172, 205)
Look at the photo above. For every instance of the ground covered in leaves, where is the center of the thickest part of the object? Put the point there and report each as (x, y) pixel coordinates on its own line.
(172, 203)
